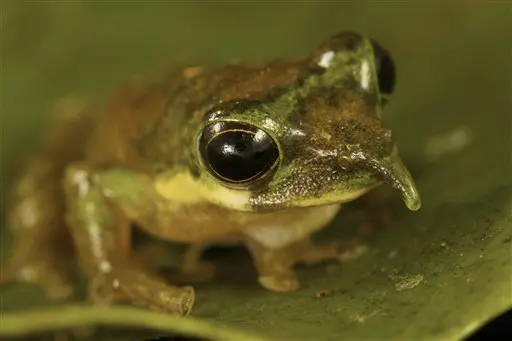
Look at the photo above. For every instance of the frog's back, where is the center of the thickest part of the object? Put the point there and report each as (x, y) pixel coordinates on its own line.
(167, 126)
(98, 133)
(36, 209)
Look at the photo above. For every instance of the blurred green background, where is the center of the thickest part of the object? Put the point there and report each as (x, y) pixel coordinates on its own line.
(436, 274)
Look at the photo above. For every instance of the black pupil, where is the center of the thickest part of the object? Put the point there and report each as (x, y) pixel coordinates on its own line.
(241, 155)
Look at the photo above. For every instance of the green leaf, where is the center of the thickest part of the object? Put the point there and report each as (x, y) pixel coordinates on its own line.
(436, 274)
(73, 316)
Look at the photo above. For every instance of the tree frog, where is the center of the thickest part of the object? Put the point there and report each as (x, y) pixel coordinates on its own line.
(260, 154)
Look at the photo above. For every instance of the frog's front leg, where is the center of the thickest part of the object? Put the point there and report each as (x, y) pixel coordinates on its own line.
(100, 204)
(274, 266)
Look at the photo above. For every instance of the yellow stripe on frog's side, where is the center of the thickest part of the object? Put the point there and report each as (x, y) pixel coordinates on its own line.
(179, 187)
(183, 188)
(230, 198)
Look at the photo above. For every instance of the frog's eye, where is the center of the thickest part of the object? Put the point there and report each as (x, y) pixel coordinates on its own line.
(386, 72)
(237, 153)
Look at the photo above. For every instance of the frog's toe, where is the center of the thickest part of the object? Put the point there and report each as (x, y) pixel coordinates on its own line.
(178, 301)
(171, 300)
(279, 283)
(312, 254)
(142, 290)
(309, 253)
(353, 252)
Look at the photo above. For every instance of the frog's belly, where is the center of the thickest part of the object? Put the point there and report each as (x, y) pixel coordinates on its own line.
(274, 234)
(212, 225)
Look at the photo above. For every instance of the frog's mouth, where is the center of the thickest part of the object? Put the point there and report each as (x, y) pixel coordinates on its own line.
(393, 172)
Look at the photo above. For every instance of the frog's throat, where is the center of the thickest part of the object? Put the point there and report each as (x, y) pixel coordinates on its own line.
(392, 171)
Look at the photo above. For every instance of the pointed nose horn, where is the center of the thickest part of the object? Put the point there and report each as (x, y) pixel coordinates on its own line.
(393, 171)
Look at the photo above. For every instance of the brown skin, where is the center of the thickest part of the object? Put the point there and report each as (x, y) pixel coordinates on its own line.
(138, 159)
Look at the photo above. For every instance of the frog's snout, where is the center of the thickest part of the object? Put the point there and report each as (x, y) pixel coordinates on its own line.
(392, 171)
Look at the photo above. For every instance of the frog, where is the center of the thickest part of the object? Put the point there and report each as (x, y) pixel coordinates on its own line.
(261, 154)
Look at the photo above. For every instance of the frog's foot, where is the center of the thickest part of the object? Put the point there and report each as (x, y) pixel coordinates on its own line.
(46, 273)
(284, 282)
(274, 267)
(136, 286)
(308, 253)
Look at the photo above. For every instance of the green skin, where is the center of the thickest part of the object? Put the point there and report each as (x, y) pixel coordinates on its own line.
(323, 114)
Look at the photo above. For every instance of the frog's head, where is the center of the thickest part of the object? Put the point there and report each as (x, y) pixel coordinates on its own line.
(318, 140)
